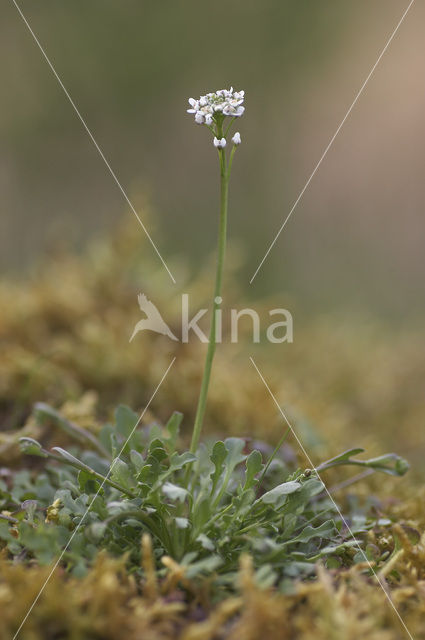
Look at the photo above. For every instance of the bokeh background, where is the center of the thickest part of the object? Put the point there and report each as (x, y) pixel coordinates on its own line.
(349, 264)
(356, 240)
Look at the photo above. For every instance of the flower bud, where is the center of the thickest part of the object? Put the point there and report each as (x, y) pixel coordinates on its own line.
(236, 138)
(220, 144)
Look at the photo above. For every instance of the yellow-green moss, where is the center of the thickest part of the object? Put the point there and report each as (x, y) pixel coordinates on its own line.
(66, 330)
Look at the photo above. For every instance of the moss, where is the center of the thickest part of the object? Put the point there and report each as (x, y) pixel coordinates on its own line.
(67, 331)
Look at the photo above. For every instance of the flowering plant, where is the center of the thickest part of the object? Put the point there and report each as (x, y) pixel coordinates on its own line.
(203, 507)
(212, 110)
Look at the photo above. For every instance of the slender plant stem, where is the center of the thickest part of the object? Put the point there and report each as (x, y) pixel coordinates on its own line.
(200, 411)
(229, 166)
(92, 472)
(273, 455)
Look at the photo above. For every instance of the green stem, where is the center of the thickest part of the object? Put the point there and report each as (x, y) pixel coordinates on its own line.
(200, 412)
(98, 476)
(228, 128)
(272, 457)
(8, 519)
(229, 167)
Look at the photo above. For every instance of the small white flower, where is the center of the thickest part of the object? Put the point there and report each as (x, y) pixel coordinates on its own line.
(208, 119)
(194, 105)
(220, 144)
(199, 117)
(236, 138)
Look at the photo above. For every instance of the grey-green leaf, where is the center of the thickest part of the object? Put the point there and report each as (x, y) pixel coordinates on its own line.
(126, 420)
(120, 473)
(174, 492)
(275, 495)
(218, 456)
(31, 447)
(234, 447)
(327, 529)
(173, 428)
(182, 523)
(254, 464)
(71, 459)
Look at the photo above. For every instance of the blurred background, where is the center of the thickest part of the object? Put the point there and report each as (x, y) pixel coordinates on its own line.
(356, 240)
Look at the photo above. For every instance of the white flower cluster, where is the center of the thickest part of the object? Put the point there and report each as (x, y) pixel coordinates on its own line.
(227, 102)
